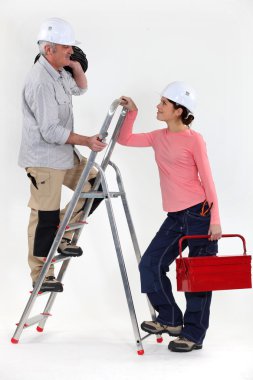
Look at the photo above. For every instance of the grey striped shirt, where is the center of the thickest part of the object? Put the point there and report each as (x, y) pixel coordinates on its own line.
(47, 117)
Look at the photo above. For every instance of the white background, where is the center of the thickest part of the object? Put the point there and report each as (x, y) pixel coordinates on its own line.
(134, 48)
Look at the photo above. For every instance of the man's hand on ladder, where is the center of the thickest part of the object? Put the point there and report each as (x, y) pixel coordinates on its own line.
(95, 143)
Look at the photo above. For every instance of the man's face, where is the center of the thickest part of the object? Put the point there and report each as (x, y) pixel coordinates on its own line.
(59, 55)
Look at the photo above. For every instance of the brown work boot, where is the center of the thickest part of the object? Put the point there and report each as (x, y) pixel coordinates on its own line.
(182, 344)
(66, 248)
(50, 284)
(154, 327)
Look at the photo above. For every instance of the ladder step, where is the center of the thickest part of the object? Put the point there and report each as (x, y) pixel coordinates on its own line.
(75, 226)
(39, 294)
(146, 336)
(58, 258)
(34, 320)
(101, 194)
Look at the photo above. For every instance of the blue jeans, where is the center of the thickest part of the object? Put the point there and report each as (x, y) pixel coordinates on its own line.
(155, 262)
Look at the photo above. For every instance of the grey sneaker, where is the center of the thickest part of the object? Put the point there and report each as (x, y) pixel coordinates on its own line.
(66, 248)
(154, 327)
(50, 284)
(182, 344)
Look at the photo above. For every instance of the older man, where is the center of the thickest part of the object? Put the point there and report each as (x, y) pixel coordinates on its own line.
(48, 150)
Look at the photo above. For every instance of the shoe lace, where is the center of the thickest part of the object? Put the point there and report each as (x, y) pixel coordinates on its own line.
(50, 278)
(183, 338)
(66, 240)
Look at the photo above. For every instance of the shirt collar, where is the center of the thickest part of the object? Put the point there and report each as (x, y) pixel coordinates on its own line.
(53, 72)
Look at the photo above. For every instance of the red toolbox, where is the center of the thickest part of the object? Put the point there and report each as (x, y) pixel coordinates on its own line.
(206, 273)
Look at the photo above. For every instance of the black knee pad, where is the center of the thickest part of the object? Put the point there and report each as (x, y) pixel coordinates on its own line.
(46, 229)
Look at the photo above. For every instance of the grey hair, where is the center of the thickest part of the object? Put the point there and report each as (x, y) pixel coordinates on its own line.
(43, 44)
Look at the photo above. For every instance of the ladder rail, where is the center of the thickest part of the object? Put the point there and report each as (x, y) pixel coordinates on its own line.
(53, 295)
(85, 174)
(82, 180)
(127, 212)
(122, 266)
(131, 226)
(104, 164)
(67, 216)
(54, 246)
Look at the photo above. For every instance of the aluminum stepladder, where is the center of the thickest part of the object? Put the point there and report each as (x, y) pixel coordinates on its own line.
(52, 257)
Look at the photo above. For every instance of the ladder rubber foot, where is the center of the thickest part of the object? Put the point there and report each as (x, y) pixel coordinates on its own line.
(159, 340)
(14, 341)
(140, 352)
(39, 329)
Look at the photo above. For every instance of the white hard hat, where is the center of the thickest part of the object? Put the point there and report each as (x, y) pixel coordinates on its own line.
(181, 93)
(57, 31)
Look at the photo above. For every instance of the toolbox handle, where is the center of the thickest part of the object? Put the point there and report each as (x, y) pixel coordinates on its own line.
(208, 236)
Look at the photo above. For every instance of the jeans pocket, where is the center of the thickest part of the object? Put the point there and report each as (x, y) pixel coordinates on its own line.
(198, 225)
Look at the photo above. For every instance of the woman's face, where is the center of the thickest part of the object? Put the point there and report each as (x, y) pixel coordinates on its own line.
(166, 111)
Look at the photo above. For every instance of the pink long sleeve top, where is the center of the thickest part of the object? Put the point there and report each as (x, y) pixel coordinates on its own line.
(185, 173)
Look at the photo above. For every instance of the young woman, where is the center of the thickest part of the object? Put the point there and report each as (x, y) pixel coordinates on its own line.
(189, 198)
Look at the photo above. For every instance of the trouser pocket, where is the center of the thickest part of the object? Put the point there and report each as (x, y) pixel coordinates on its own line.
(46, 184)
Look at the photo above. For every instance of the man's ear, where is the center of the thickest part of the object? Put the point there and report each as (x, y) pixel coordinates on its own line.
(48, 50)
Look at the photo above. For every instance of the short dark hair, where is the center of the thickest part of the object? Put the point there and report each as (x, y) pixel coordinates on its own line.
(186, 116)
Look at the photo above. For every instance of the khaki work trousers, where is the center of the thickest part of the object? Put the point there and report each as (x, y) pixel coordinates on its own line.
(46, 196)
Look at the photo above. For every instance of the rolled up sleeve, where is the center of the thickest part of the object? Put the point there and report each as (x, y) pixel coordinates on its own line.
(74, 89)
